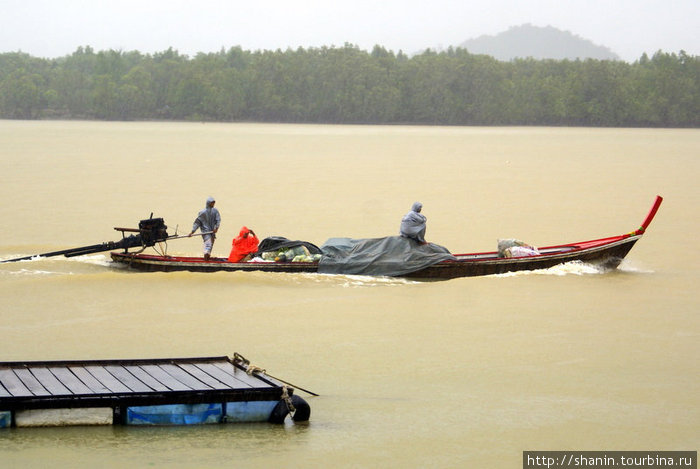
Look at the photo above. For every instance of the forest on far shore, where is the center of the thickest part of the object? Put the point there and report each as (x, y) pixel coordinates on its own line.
(346, 85)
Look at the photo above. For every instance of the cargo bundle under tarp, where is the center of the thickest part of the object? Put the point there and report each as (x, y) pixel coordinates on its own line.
(280, 249)
(391, 256)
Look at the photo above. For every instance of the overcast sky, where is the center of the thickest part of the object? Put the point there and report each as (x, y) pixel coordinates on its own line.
(55, 28)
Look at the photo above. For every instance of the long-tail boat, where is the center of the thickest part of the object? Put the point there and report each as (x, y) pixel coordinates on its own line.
(606, 253)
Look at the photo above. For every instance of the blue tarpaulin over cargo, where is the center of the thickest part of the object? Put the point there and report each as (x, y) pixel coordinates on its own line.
(174, 414)
(193, 414)
(391, 256)
(5, 419)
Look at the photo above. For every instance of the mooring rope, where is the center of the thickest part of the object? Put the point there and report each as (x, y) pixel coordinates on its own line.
(237, 357)
(254, 369)
(250, 369)
(288, 400)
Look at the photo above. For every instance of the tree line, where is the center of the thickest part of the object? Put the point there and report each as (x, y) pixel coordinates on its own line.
(349, 85)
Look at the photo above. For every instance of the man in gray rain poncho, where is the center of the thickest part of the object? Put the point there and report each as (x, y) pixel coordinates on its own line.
(392, 255)
(413, 224)
(208, 221)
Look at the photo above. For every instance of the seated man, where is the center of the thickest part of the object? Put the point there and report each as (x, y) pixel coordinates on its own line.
(244, 244)
(413, 224)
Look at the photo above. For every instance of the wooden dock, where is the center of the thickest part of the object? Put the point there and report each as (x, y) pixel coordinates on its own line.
(142, 392)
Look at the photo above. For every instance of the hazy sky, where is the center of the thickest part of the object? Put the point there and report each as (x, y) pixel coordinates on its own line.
(54, 28)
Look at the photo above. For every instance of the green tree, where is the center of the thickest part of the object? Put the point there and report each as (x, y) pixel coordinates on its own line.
(105, 98)
(22, 94)
(349, 85)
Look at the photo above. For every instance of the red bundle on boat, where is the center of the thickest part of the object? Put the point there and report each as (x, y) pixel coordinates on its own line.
(245, 243)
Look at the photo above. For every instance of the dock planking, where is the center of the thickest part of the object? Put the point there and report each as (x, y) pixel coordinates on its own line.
(221, 375)
(66, 378)
(54, 392)
(146, 378)
(165, 378)
(107, 379)
(128, 379)
(90, 381)
(13, 384)
(50, 382)
(33, 384)
(203, 376)
(240, 376)
(184, 377)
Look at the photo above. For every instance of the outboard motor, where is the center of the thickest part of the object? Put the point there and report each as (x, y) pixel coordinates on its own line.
(150, 231)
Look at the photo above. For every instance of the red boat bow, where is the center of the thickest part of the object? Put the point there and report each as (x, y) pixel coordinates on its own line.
(650, 216)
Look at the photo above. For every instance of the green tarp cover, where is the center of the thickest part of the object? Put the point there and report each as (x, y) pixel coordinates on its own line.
(391, 256)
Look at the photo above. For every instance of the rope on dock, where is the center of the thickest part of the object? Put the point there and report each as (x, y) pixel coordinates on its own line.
(237, 357)
(288, 400)
(254, 369)
(250, 369)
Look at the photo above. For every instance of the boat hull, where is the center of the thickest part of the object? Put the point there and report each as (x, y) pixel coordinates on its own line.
(606, 253)
(148, 263)
(607, 257)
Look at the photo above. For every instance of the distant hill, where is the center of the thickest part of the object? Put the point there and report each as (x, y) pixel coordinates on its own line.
(539, 43)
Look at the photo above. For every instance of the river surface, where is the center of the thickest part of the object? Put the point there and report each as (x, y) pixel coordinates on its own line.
(462, 373)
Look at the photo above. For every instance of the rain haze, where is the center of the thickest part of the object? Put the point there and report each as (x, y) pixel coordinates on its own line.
(50, 28)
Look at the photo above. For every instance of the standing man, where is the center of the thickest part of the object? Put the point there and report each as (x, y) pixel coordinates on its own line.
(208, 221)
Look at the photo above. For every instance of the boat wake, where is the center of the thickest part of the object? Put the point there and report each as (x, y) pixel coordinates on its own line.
(43, 266)
(631, 267)
(46, 266)
(569, 268)
(578, 268)
(351, 281)
(93, 259)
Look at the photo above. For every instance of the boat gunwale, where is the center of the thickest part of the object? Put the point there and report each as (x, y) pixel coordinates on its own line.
(487, 257)
(575, 250)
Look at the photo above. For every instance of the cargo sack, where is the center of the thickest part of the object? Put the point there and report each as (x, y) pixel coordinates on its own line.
(515, 248)
(280, 249)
